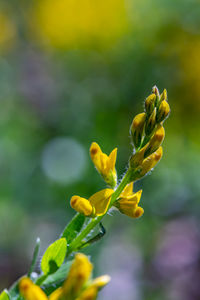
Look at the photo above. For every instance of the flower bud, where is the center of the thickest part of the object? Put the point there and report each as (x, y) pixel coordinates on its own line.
(151, 122)
(155, 90)
(163, 96)
(81, 205)
(150, 103)
(137, 158)
(163, 111)
(148, 164)
(155, 141)
(137, 129)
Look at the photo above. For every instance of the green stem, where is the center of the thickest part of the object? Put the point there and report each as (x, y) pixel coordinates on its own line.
(77, 241)
(93, 222)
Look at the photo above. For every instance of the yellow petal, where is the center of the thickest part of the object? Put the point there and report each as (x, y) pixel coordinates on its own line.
(79, 274)
(135, 197)
(129, 205)
(155, 141)
(138, 212)
(101, 281)
(112, 160)
(101, 200)
(30, 291)
(133, 211)
(81, 205)
(103, 164)
(151, 161)
(57, 294)
(89, 294)
(128, 190)
(95, 152)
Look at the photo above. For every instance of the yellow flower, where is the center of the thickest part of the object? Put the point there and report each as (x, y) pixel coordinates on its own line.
(77, 279)
(96, 205)
(69, 24)
(79, 274)
(105, 164)
(128, 202)
(31, 291)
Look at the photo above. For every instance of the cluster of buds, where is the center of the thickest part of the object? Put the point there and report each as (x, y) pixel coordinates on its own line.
(147, 133)
(77, 286)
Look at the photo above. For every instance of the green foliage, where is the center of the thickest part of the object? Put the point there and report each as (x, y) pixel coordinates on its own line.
(4, 295)
(54, 256)
(73, 228)
(57, 278)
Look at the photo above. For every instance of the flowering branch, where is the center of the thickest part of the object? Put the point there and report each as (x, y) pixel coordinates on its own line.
(64, 278)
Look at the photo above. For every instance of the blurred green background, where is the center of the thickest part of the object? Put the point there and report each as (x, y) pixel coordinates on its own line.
(74, 72)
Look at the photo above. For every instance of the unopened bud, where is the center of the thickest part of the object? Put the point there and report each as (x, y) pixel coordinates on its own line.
(155, 141)
(150, 103)
(137, 129)
(163, 96)
(148, 164)
(81, 205)
(163, 111)
(155, 90)
(137, 158)
(151, 122)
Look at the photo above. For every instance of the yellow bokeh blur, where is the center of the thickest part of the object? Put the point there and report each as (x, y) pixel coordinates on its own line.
(8, 31)
(71, 23)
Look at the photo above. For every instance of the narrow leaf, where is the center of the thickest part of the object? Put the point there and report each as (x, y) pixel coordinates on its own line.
(59, 276)
(73, 228)
(54, 256)
(35, 255)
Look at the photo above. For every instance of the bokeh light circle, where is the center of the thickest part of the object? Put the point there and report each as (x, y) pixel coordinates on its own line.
(64, 160)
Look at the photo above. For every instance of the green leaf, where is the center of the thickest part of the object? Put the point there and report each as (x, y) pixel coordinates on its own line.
(73, 228)
(35, 255)
(4, 295)
(59, 275)
(54, 256)
(54, 281)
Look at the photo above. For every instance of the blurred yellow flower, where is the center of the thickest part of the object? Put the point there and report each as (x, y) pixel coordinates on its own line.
(31, 291)
(105, 164)
(79, 274)
(96, 205)
(74, 286)
(68, 23)
(128, 202)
